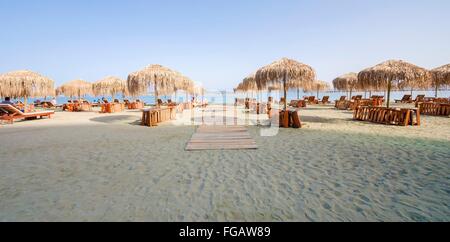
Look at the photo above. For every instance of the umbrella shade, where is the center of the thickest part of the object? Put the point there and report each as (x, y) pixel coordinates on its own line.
(24, 84)
(287, 72)
(110, 86)
(75, 88)
(162, 79)
(394, 74)
(441, 77)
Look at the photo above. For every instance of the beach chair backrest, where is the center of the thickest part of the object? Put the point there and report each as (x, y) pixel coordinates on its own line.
(343, 98)
(10, 109)
(406, 97)
(325, 98)
(311, 98)
(420, 98)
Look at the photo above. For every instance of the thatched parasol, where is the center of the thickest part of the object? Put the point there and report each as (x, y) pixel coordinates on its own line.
(394, 74)
(162, 79)
(441, 76)
(75, 88)
(287, 72)
(185, 84)
(346, 82)
(318, 86)
(110, 86)
(239, 88)
(25, 84)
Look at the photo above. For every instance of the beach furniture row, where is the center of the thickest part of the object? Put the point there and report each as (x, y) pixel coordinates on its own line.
(10, 113)
(435, 109)
(389, 116)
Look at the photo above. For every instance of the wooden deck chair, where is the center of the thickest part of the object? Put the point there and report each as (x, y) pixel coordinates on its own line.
(325, 100)
(10, 113)
(405, 99)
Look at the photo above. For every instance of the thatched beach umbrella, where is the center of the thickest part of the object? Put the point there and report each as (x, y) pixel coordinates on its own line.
(287, 72)
(318, 86)
(347, 82)
(110, 86)
(441, 76)
(25, 84)
(394, 74)
(162, 79)
(75, 88)
(184, 84)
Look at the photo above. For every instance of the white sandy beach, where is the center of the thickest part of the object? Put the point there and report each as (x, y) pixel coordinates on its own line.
(96, 167)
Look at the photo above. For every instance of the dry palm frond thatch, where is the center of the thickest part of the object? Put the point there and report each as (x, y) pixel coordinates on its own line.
(394, 74)
(318, 86)
(25, 84)
(249, 83)
(75, 88)
(110, 86)
(347, 82)
(162, 79)
(441, 76)
(289, 73)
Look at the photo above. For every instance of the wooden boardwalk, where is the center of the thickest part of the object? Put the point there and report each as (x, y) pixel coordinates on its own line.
(221, 138)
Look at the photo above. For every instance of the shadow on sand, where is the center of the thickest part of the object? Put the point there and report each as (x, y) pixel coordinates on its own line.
(125, 119)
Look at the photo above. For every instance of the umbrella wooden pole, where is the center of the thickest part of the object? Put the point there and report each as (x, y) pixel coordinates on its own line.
(25, 101)
(156, 96)
(436, 91)
(389, 94)
(317, 93)
(285, 92)
(298, 93)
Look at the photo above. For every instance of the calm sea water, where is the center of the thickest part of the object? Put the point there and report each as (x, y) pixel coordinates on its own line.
(228, 97)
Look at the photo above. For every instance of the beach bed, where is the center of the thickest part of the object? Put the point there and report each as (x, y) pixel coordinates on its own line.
(112, 108)
(10, 113)
(405, 99)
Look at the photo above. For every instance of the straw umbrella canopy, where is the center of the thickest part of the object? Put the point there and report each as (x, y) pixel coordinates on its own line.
(287, 72)
(110, 85)
(185, 84)
(25, 84)
(394, 74)
(318, 86)
(441, 76)
(239, 88)
(75, 88)
(347, 82)
(162, 79)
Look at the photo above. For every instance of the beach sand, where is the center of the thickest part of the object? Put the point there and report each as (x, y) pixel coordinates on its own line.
(96, 167)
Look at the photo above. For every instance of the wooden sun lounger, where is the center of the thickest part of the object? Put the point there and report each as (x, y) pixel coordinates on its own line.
(10, 113)
(325, 100)
(405, 99)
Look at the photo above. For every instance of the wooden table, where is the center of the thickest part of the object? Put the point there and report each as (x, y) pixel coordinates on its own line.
(389, 116)
(153, 116)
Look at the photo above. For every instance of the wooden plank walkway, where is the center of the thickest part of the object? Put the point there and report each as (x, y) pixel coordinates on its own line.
(221, 138)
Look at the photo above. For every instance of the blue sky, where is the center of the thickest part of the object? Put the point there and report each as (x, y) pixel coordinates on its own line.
(218, 42)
